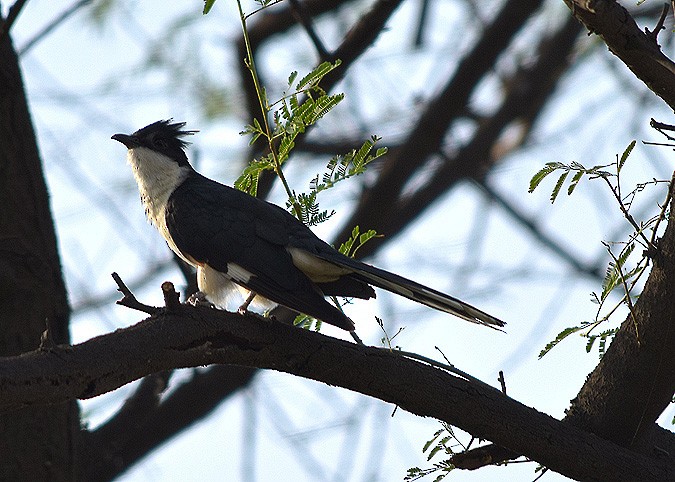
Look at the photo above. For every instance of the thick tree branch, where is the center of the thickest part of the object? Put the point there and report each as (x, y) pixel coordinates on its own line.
(636, 48)
(199, 336)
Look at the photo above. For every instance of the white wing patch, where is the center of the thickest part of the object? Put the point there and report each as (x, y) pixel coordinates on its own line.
(222, 290)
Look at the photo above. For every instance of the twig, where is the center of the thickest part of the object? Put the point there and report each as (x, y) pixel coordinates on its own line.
(629, 302)
(129, 300)
(662, 214)
(502, 381)
(46, 339)
(12, 15)
(629, 217)
(653, 34)
(306, 22)
(543, 471)
(448, 367)
(660, 126)
(65, 15)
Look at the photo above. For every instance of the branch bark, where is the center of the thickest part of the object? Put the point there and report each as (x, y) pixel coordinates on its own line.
(638, 49)
(199, 336)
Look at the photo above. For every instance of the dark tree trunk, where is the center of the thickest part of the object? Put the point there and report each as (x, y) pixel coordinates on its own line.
(36, 443)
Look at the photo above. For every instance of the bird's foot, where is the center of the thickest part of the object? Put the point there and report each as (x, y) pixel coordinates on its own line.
(199, 299)
(243, 309)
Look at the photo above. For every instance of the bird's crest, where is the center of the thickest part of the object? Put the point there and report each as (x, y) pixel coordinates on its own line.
(168, 129)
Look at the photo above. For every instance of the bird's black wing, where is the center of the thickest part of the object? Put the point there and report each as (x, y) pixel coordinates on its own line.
(231, 231)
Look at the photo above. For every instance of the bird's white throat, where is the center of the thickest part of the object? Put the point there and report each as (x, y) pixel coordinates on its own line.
(157, 177)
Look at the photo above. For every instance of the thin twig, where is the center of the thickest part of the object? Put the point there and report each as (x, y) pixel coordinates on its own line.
(629, 302)
(448, 367)
(265, 108)
(306, 22)
(664, 208)
(12, 15)
(660, 126)
(653, 34)
(129, 300)
(626, 214)
(502, 381)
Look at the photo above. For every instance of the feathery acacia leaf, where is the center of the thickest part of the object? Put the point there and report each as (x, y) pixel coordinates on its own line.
(624, 156)
(558, 185)
(561, 336)
(548, 168)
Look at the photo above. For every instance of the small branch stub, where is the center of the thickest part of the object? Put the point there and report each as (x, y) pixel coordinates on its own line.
(171, 297)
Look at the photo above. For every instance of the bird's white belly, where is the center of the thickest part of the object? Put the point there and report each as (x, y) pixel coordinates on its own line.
(225, 293)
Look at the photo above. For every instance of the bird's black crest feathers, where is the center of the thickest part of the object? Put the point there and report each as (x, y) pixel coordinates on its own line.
(167, 129)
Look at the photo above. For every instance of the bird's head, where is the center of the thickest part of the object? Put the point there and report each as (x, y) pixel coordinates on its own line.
(157, 157)
(162, 137)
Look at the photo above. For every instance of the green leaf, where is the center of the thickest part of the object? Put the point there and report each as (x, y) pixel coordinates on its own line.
(558, 186)
(625, 155)
(314, 77)
(575, 182)
(613, 274)
(434, 451)
(602, 341)
(432, 440)
(248, 181)
(548, 168)
(351, 246)
(292, 77)
(285, 147)
(208, 5)
(561, 336)
(323, 106)
(254, 130)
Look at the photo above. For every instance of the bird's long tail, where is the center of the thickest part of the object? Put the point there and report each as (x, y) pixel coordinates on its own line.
(422, 294)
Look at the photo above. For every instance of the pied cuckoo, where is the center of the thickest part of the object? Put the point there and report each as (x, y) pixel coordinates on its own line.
(237, 241)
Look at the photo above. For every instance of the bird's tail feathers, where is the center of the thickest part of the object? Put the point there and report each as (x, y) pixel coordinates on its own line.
(423, 294)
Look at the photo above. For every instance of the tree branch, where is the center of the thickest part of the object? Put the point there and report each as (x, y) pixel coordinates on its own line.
(197, 336)
(637, 49)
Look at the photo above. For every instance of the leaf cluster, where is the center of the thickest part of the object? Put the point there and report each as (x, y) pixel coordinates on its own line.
(348, 248)
(306, 103)
(339, 168)
(620, 273)
(579, 171)
(442, 442)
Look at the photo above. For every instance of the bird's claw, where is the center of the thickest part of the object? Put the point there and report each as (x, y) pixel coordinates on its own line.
(199, 299)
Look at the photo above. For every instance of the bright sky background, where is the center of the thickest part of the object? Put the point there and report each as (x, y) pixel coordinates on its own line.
(87, 81)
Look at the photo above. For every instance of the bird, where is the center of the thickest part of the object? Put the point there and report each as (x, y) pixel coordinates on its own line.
(238, 242)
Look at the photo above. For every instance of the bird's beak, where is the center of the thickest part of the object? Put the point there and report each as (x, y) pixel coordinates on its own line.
(127, 140)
